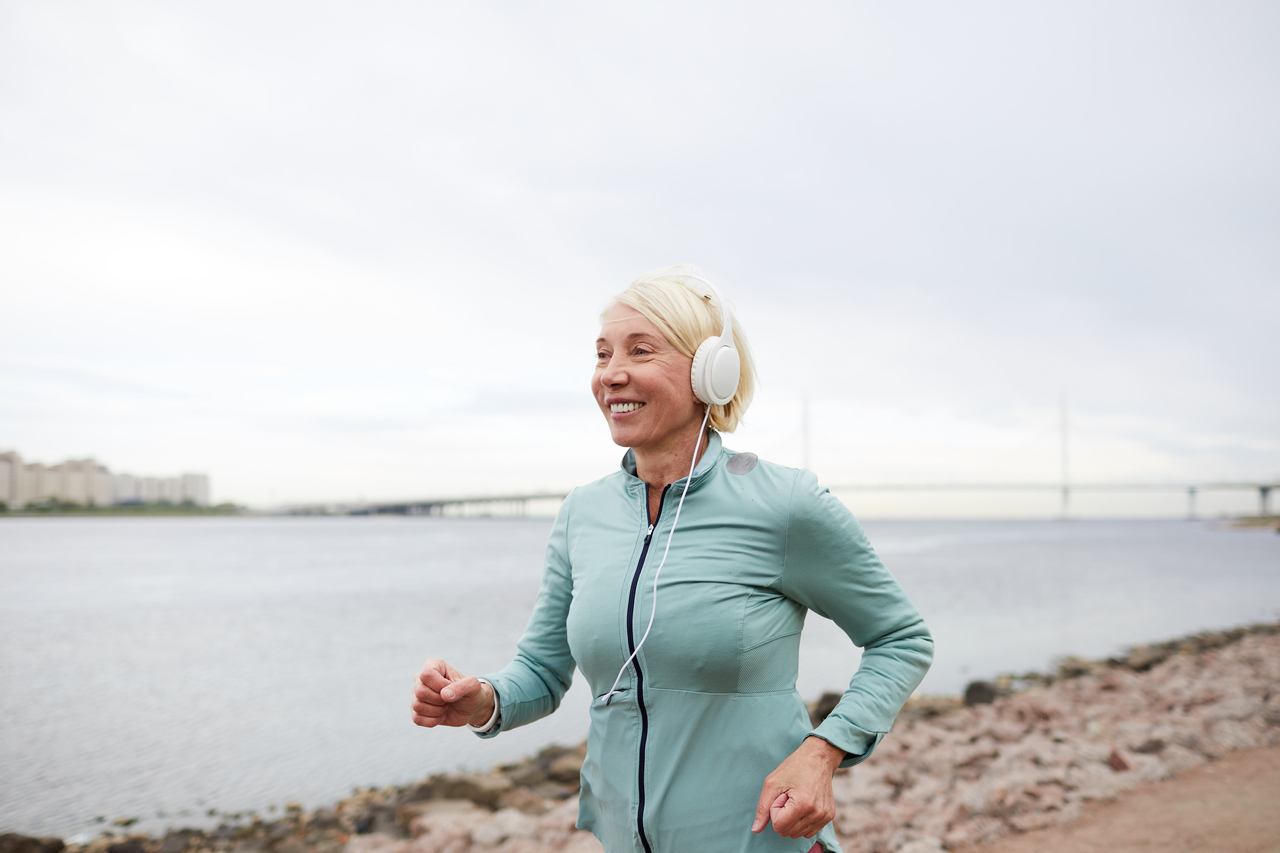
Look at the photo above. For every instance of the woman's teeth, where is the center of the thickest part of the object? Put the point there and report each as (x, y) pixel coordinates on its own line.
(624, 407)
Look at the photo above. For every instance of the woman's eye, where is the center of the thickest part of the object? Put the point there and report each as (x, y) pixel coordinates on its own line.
(642, 351)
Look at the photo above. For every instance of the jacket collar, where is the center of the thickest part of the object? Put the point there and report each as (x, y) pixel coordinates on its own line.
(715, 449)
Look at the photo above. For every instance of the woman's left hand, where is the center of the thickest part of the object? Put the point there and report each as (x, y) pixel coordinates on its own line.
(797, 796)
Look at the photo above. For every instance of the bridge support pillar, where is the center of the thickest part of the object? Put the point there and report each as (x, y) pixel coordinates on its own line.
(1191, 503)
(1264, 500)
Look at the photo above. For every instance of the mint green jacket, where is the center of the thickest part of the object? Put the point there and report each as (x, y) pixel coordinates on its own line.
(676, 759)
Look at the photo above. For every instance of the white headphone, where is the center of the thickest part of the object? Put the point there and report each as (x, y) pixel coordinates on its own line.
(717, 365)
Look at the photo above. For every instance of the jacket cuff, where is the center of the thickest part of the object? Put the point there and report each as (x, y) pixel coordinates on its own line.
(858, 744)
(494, 724)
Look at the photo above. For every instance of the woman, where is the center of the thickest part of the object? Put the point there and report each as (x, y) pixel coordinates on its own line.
(698, 737)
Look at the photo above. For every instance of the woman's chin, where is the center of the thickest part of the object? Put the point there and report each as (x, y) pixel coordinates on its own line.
(622, 438)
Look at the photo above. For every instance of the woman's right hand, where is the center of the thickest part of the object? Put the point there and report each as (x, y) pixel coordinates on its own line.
(442, 696)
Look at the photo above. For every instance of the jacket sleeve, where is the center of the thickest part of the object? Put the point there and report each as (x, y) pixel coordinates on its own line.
(532, 685)
(831, 568)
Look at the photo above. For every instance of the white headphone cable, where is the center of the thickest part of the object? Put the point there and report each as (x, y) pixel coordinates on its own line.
(689, 482)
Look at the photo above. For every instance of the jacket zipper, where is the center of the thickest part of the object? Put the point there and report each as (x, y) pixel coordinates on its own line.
(631, 643)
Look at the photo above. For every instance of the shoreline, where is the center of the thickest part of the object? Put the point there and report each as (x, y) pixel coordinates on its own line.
(1016, 754)
(1220, 522)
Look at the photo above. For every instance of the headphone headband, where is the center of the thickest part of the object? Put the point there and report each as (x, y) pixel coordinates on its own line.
(686, 277)
(726, 315)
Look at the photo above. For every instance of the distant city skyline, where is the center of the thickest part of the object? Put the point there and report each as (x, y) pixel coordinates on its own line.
(89, 483)
(368, 261)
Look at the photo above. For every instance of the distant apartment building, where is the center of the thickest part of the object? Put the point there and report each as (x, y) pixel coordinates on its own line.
(6, 478)
(126, 488)
(89, 483)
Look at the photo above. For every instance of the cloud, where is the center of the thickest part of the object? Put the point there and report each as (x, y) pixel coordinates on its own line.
(344, 226)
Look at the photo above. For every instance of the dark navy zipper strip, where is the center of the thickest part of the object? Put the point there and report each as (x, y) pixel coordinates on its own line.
(631, 650)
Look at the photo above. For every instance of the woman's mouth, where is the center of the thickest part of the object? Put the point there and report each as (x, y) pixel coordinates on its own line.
(621, 408)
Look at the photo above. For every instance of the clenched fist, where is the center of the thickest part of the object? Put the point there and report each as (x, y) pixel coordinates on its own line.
(442, 696)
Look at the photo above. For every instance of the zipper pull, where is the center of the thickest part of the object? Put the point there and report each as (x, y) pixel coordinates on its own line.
(649, 532)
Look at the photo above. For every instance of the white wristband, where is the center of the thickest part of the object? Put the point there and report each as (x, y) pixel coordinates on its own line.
(493, 718)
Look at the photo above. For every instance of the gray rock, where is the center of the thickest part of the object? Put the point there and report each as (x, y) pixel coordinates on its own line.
(419, 792)
(323, 819)
(567, 769)
(132, 845)
(928, 844)
(12, 842)
(527, 775)
(482, 790)
(434, 814)
(552, 791)
(507, 823)
(378, 818)
(292, 844)
(823, 707)
(524, 800)
(178, 841)
(980, 693)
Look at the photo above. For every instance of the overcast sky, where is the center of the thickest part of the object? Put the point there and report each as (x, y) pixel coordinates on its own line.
(333, 251)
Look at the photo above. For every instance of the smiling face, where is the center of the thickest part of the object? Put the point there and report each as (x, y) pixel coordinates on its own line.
(641, 384)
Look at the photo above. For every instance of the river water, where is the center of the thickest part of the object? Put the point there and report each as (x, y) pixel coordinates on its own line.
(160, 668)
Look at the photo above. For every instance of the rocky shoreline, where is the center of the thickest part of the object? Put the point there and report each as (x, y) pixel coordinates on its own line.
(1015, 754)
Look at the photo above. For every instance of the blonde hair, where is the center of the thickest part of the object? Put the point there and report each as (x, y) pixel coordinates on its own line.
(686, 314)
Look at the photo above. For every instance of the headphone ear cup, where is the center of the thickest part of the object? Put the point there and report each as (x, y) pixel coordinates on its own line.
(698, 373)
(715, 373)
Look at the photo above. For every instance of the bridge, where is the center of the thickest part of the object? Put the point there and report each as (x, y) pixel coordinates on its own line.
(1065, 489)
(518, 504)
(507, 505)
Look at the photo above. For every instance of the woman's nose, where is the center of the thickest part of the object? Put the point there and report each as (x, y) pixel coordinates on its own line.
(612, 373)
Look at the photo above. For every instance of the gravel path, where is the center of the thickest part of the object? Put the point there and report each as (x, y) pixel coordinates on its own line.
(1229, 806)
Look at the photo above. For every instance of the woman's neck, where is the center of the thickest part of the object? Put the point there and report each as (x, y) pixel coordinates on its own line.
(660, 467)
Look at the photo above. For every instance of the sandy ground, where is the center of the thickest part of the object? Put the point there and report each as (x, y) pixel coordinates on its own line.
(1227, 806)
